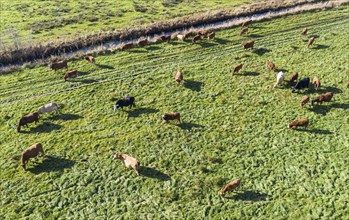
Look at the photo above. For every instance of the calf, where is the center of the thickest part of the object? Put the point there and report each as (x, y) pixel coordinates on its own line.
(237, 68)
(304, 32)
(316, 82)
(302, 84)
(279, 78)
(247, 23)
(128, 101)
(31, 152)
(233, 185)
(48, 108)
(190, 34)
(311, 41)
(171, 116)
(128, 161)
(179, 77)
(244, 31)
(70, 74)
(294, 77)
(90, 59)
(270, 65)
(195, 39)
(326, 97)
(142, 43)
(211, 36)
(299, 122)
(126, 46)
(249, 44)
(304, 100)
(32, 117)
(59, 65)
(166, 38)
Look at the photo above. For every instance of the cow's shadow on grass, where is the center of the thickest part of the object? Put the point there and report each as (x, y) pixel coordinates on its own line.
(151, 48)
(103, 66)
(66, 117)
(249, 73)
(255, 35)
(315, 131)
(320, 46)
(206, 44)
(152, 173)
(248, 196)
(324, 89)
(45, 127)
(139, 111)
(189, 126)
(50, 164)
(320, 109)
(193, 85)
(87, 81)
(261, 51)
(222, 41)
(340, 105)
(82, 73)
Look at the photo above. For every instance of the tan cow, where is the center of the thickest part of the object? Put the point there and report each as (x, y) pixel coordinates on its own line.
(299, 122)
(31, 152)
(128, 161)
(233, 185)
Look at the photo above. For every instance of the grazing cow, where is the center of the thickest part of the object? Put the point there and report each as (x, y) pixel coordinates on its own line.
(279, 78)
(203, 32)
(305, 31)
(299, 122)
(142, 43)
(171, 116)
(166, 38)
(70, 74)
(31, 152)
(190, 34)
(249, 44)
(304, 100)
(233, 185)
(294, 77)
(247, 23)
(48, 108)
(128, 161)
(59, 65)
(211, 36)
(126, 46)
(179, 77)
(90, 59)
(180, 37)
(244, 31)
(270, 65)
(311, 41)
(302, 84)
(32, 117)
(316, 82)
(326, 97)
(237, 68)
(128, 101)
(196, 38)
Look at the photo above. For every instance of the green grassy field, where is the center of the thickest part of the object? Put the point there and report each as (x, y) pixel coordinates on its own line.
(232, 127)
(27, 21)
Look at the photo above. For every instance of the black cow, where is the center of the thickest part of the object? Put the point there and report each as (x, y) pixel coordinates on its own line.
(128, 101)
(304, 83)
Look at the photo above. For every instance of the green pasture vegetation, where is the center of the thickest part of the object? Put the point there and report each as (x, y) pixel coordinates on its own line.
(232, 127)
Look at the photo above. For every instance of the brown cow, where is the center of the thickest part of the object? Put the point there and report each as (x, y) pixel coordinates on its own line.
(237, 68)
(59, 65)
(316, 82)
(90, 59)
(70, 74)
(203, 32)
(247, 23)
(233, 185)
(294, 77)
(270, 65)
(196, 38)
(179, 77)
(211, 36)
(171, 116)
(326, 97)
(166, 38)
(304, 32)
(299, 122)
(31, 152)
(249, 44)
(126, 46)
(244, 31)
(304, 100)
(190, 34)
(128, 161)
(32, 117)
(142, 43)
(311, 41)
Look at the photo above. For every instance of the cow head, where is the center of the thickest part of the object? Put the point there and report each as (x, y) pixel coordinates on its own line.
(116, 107)
(18, 128)
(117, 156)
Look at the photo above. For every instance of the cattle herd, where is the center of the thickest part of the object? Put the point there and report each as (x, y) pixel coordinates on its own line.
(133, 163)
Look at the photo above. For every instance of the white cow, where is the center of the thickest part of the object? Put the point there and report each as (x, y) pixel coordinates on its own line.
(180, 37)
(48, 108)
(279, 79)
